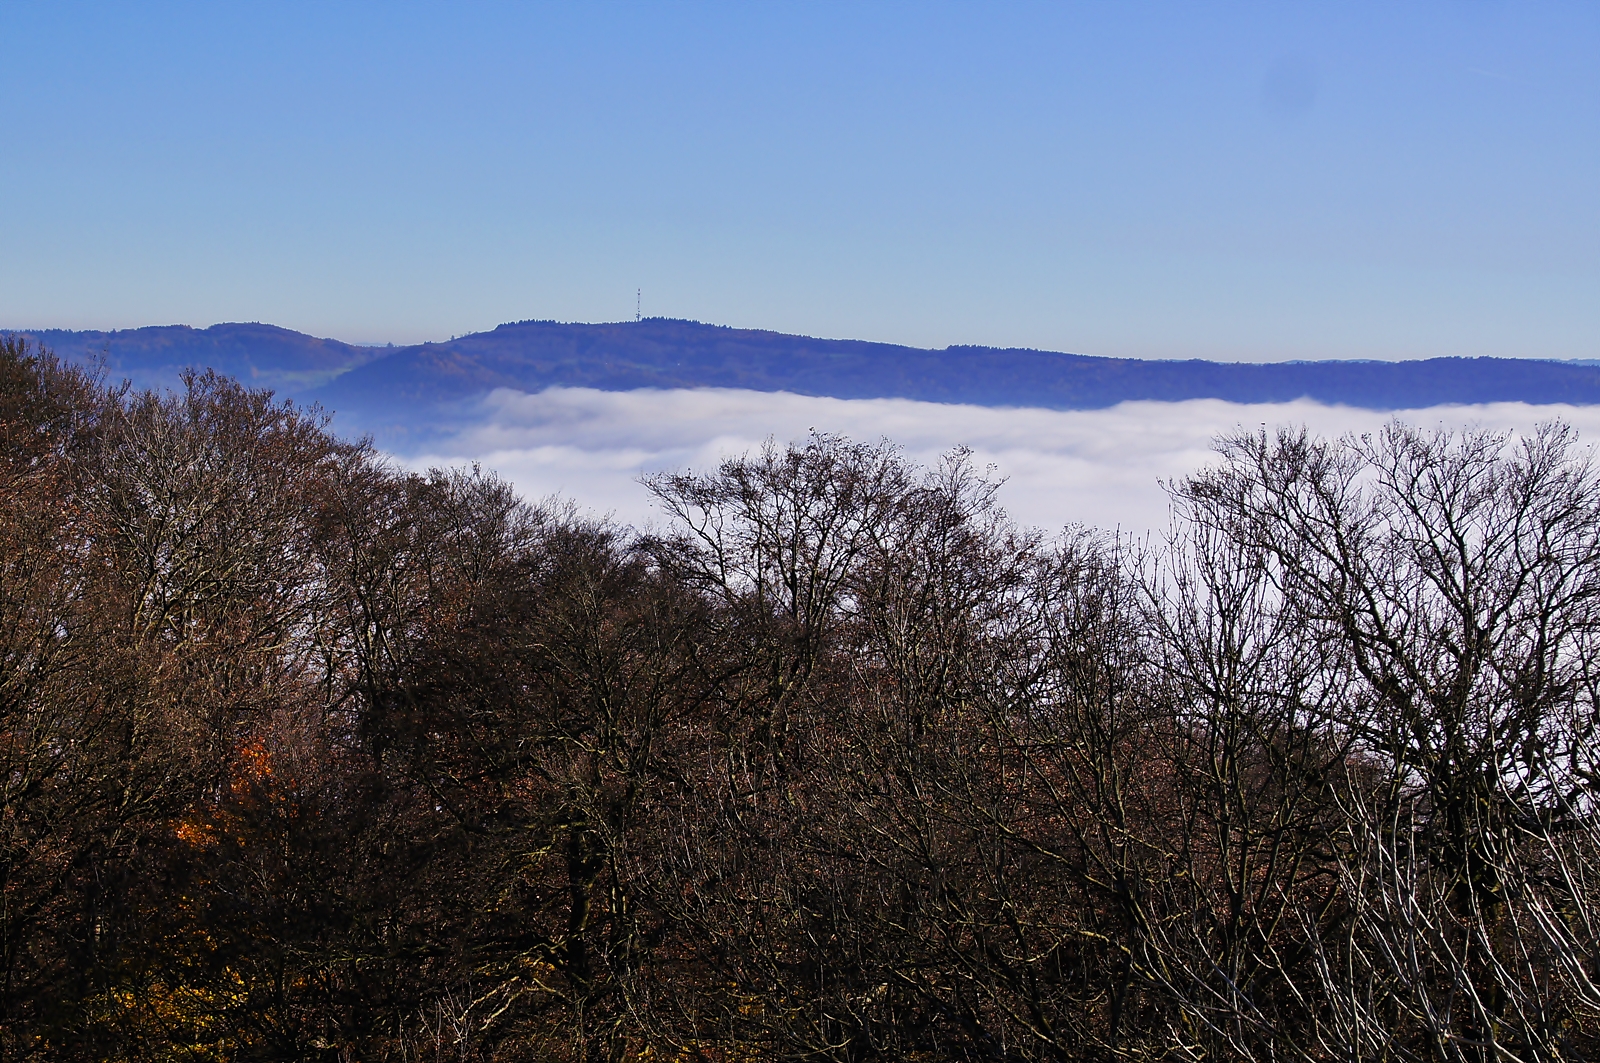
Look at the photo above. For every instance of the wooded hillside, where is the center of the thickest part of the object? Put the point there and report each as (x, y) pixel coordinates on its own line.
(303, 757)
(407, 397)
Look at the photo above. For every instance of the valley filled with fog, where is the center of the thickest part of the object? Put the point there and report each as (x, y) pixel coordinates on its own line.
(1096, 467)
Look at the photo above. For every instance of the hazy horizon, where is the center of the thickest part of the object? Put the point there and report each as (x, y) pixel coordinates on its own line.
(12, 328)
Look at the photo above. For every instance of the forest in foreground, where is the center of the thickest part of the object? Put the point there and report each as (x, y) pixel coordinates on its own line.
(306, 757)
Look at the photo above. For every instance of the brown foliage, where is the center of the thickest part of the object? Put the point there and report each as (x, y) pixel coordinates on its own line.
(305, 757)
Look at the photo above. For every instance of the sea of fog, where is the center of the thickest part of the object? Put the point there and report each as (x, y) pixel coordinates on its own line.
(1097, 467)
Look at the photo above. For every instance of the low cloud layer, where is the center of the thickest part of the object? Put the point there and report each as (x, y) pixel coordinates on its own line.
(1098, 467)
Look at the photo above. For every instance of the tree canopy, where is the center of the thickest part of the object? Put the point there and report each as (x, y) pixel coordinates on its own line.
(306, 757)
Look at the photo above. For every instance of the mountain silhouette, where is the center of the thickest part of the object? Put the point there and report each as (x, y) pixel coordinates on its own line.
(258, 355)
(407, 392)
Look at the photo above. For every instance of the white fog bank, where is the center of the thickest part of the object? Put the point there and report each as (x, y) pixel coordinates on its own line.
(1097, 467)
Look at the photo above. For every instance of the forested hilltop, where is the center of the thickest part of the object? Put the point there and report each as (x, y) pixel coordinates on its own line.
(303, 757)
(403, 395)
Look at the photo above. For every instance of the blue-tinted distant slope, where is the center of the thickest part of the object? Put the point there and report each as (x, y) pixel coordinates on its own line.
(406, 394)
(665, 354)
(258, 355)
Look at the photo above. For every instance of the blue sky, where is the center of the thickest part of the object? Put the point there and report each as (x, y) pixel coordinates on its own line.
(1156, 180)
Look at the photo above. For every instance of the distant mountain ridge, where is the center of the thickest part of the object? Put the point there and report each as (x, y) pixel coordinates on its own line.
(405, 391)
(258, 355)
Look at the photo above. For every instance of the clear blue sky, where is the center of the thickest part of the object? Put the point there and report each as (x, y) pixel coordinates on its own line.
(1157, 180)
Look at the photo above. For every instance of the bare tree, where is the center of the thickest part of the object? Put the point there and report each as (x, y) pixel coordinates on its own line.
(1458, 577)
(302, 756)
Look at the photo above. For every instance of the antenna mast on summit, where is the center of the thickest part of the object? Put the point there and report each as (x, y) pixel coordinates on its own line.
(638, 297)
